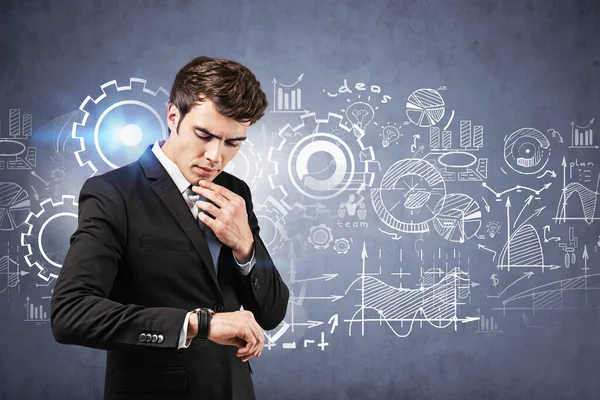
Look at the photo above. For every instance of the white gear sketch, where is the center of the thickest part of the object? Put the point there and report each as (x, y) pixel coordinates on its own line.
(247, 165)
(527, 151)
(320, 236)
(342, 245)
(410, 192)
(107, 138)
(345, 167)
(35, 255)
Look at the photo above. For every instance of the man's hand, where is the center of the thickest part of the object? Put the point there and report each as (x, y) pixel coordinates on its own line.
(230, 224)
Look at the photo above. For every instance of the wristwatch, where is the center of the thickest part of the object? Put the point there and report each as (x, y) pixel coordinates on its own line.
(204, 315)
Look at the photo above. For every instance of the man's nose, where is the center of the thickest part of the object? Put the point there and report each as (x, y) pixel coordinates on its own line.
(214, 151)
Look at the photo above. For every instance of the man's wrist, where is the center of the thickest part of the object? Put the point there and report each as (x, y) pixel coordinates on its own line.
(244, 253)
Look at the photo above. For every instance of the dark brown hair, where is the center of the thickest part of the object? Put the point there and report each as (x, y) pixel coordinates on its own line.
(232, 87)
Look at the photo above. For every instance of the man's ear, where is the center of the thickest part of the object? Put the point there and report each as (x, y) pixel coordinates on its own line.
(173, 116)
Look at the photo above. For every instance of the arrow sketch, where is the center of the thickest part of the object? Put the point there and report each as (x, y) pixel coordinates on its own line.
(546, 240)
(525, 275)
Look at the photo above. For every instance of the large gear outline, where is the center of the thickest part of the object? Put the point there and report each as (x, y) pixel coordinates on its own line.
(253, 162)
(289, 137)
(32, 238)
(90, 153)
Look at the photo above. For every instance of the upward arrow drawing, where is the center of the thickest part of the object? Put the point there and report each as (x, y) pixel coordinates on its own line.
(507, 205)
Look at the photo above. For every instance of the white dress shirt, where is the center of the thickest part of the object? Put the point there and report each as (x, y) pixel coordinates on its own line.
(182, 185)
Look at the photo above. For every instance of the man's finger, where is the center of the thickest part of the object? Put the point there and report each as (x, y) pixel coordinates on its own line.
(216, 198)
(213, 224)
(208, 208)
(223, 191)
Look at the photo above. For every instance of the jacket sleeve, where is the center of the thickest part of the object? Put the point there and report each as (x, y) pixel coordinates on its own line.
(80, 311)
(263, 292)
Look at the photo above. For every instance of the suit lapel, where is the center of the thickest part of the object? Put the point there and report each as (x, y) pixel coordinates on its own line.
(166, 190)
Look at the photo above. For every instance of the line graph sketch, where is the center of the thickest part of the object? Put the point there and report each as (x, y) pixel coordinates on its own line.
(433, 303)
(523, 249)
(564, 294)
(587, 198)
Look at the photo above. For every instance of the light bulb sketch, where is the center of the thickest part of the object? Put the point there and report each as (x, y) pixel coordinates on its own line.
(360, 114)
(493, 228)
(390, 135)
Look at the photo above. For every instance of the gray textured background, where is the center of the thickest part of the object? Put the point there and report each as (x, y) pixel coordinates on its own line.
(506, 65)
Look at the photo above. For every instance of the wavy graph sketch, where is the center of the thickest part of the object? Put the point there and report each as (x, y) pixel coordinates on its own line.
(588, 198)
(434, 303)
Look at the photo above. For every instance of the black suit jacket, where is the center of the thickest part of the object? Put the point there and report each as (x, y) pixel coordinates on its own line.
(137, 264)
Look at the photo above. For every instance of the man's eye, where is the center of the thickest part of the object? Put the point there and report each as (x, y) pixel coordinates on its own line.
(232, 144)
(205, 138)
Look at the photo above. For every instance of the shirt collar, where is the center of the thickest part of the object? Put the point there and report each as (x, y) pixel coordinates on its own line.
(172, 169)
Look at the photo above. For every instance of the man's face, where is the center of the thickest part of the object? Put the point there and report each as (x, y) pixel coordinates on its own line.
(204, 142)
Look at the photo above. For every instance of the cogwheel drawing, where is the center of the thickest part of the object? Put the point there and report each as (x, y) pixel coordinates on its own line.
(342, 245)
(247, 165)
(317, 161)
(320, 236)
(117, 126)
(41, 252)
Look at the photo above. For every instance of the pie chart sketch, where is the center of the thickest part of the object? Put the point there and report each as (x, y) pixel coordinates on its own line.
(527, 151)
(408, 196)
(425, 107)
(458, 217)
(14, 206)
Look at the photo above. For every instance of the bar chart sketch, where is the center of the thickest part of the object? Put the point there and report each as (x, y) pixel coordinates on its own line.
(288, 98)
(582, 137)
(36, 313)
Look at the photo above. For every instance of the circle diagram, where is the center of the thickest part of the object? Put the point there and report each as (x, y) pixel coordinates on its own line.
(425, 107)
(527, 151)
(329, 179)
(410, 192)
(458, 217)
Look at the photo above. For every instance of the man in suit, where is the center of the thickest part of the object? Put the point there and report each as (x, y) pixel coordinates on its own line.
(166, 270)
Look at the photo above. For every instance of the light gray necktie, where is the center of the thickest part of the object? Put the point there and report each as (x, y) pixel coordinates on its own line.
(214, 245)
